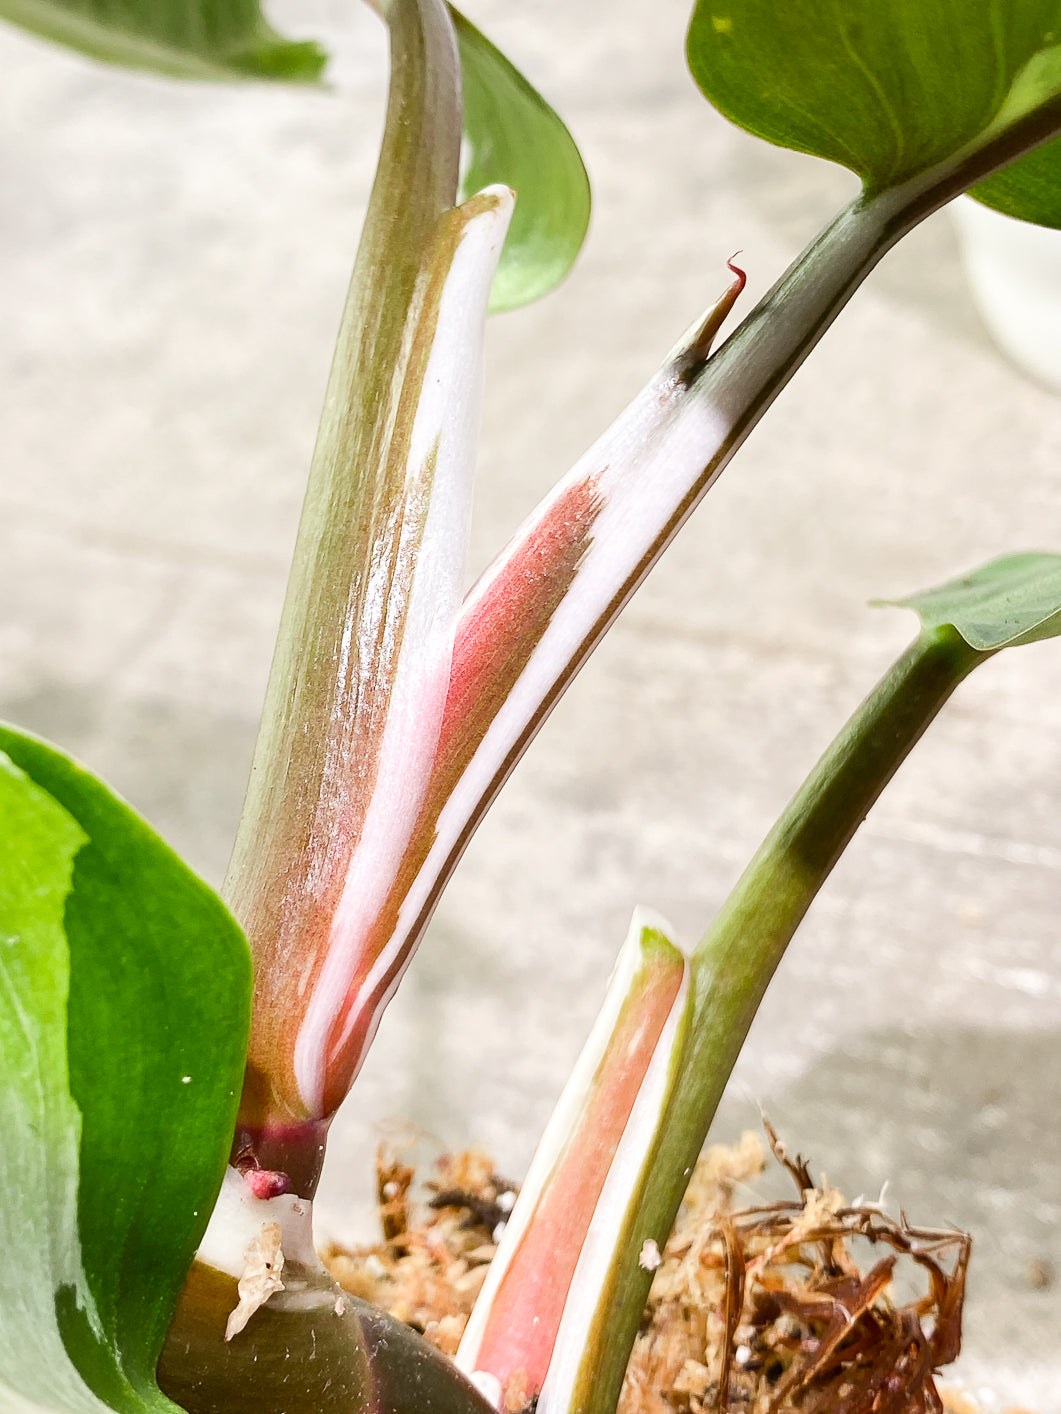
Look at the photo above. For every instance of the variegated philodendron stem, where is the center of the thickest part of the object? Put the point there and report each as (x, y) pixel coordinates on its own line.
(533, 1317)
(735, 960)
(335, 682)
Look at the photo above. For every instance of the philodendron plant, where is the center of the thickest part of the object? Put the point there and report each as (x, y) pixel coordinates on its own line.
(172, 1061)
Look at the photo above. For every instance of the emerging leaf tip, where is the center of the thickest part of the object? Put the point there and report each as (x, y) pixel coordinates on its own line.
(696, 351)
(742, 278)
(647, 925)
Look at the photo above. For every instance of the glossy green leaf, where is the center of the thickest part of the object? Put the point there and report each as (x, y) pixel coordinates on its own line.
(511, 135)
(1029, 189)
(888, 88)
(124, 1008)
(38, 1158)
(1009, 601)
(199, 39)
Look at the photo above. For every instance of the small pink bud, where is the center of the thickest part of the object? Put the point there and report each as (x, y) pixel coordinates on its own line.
(266, 1183)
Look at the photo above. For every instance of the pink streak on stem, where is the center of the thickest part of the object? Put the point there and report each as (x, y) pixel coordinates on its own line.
(526, 1310)
(493, 642)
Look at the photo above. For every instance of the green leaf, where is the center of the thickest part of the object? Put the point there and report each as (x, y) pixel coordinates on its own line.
(124, 1009)
(513, 136)
(1029, 189)
(888, 88)
(197, 39)
(38, 1157)
(1010, 601)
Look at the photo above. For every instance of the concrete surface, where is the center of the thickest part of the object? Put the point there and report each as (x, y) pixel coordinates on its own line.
(173, 264)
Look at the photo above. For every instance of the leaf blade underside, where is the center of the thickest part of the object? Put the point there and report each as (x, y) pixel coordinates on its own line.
(1013, 600)
(888, 88)
(193, 39)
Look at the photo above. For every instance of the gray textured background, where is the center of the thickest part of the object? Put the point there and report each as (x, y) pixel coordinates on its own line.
(174, 260)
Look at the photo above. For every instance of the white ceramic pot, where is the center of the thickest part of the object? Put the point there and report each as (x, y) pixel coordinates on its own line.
(1014, 270)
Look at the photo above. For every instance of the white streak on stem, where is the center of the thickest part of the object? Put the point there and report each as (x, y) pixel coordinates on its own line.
(645, 466)
(237, 1220)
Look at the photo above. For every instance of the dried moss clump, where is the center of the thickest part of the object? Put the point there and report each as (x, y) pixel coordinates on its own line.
(434, 1257)
(767, 1310)
(759, 1311)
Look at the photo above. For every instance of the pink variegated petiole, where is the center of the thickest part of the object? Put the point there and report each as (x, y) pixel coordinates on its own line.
(524, 630)
(533, 1322)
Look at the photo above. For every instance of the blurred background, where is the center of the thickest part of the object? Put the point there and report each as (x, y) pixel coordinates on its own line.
(174, 262)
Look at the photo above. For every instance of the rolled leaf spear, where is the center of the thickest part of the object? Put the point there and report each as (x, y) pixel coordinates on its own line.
(349, 731)
(393, 714)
